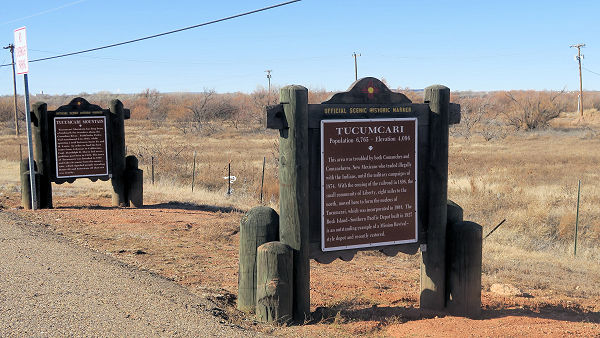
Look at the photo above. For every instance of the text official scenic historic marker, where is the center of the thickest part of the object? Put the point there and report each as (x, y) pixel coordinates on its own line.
(368, 183)
(366, 169)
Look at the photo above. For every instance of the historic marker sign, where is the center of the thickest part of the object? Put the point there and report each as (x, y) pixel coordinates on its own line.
(80, 146)
(368, 182)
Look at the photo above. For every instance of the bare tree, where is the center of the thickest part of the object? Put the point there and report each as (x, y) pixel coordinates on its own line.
(206, 109)
(532, 110)
(157, 111)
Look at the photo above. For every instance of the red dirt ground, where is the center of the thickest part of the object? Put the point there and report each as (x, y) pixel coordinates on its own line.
(197, 246)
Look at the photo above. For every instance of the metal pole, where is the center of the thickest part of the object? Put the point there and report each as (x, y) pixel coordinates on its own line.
(152, 162)
(194, 171)
(355, 66)
(30, 145)
(229, 178)
(577, 217)
(262, 180)
(12, 56)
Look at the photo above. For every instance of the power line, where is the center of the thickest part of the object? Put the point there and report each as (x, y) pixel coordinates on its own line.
(591, 71)
(162, 34)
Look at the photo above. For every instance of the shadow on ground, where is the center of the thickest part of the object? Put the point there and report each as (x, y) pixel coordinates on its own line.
(168, 205)
(409, 313)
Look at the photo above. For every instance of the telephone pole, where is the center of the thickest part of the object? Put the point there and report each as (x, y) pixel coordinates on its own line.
(355, 66)
(268, 71)
(12, 55)
(578, 57)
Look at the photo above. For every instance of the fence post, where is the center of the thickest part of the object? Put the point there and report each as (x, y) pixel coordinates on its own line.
(194, 171)
(152, 164)
(262, 180)
(293, 190)
(577, 217)
(433, 259)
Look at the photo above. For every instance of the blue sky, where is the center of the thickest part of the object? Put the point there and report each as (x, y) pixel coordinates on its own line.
(465, 45)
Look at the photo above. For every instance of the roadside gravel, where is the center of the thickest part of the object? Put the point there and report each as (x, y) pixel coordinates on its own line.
(52, 287)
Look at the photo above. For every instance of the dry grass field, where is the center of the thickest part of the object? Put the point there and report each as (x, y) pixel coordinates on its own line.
(529, 179)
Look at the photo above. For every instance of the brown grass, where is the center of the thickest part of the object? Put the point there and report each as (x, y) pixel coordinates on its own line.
(528, 178)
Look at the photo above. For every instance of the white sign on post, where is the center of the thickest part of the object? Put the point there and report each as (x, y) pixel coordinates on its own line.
(22, 65)
(21, 62)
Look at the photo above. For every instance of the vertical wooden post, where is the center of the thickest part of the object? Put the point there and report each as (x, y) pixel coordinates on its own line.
(152, 164)
(258, 226)
(293, 192)
(134, 182)
(117, 130)
(433, 259)
(262, 180)
(26, 185)
(41, 152)
(194, 171)
(464, 270)
(274, 282)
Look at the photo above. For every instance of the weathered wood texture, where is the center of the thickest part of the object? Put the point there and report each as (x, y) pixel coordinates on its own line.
(464, 271)
(274, 286)
(433, 269)
(42, 154)
(454, 212)
(379, 93)
(134, 182)
(117, 137)
(260, 225)
(26, 186)
(293, 192)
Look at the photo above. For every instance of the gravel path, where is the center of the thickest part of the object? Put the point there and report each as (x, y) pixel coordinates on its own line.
(51, 287)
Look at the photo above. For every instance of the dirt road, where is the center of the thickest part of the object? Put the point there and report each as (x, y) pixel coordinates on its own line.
(51, 287)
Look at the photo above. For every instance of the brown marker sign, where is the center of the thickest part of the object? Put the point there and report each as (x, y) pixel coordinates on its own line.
(81, 149)
(368, 183)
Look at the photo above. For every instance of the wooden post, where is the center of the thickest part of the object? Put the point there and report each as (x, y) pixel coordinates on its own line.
(454, 212)
(41, 155)
(134, 182)
(259, 226)
(433, 259)
(152, 163)
(464, 271)
(262, 180)
(274, 285)
(293, 192)
(117, 130)
(194, 171)
(26, 186)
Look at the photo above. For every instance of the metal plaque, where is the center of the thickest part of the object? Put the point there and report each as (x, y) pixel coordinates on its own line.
(80, 146)
(368, 183)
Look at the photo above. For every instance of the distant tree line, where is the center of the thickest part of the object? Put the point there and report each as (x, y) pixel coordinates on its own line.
(488, 114)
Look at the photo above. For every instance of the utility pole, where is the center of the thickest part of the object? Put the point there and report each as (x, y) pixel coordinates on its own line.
(268, 71)
(578, 57)
(355, 66)
(12, 55)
